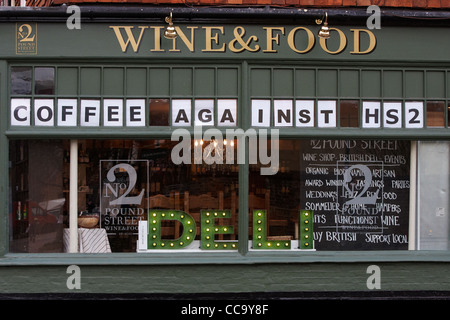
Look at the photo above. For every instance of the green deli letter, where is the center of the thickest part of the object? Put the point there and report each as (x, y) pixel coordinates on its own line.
(260, 234)
(154, 229)
(210, 229)
(306, 230)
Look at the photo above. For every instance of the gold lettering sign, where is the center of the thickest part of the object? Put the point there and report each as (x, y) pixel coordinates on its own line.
(372, 41)
(209, 39)
(218, 39)
(342, 42)
(310, 41)
(26, 38)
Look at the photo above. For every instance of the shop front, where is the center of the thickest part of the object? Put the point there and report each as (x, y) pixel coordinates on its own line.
(237, 157)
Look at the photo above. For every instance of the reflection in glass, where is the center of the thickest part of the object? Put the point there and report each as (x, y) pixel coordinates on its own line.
(435, 114)
(349, 113)
(356, 189)
(21, 80)
(434, 195)
(38, 197)
(158, 112)
(118, 182)
(278, 194)
(44, 80)
(165, 185)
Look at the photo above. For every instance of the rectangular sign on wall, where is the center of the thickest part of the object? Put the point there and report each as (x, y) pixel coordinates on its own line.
(280, 113)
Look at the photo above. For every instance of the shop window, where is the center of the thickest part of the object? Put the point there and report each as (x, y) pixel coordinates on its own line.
(38, 195)
(435, 114)
(44, 80)
(119, 182)
(158, 112)
(278, 196)
(21, 80)
(434, 196)
(357, 193)
(349, 113)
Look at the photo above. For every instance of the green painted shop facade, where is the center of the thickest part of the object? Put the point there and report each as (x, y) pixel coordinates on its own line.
(245, 155)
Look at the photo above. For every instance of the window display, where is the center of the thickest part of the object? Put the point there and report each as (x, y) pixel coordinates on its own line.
(353, 195)
(330, 192)
(119, 181)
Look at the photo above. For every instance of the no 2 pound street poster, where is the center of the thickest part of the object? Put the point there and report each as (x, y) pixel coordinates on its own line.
(124, 195)
(359, 192)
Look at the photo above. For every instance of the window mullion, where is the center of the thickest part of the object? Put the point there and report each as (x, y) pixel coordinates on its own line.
(73, 197)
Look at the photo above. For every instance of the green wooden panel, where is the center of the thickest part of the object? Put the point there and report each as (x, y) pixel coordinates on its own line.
(222, 278)
(181, 79)
(113, 80)
(305, 82)
(371, 83)
(159, 82)
(204, 81)
(327, 84)
(67, 81)
(136, 82)
(283, 82)
(260, 82)
(414, 84)
(435, 84)
(227, 82)
(90, 81)
(392, 84)
(349, 83)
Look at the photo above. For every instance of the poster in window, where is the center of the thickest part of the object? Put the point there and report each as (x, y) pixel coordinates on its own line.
(124, 195)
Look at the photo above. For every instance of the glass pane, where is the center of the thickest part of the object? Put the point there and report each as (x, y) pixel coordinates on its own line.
(44, 80)
(38, 195)
(278, 195)
(139, 178)
(349, 113)
(21, 80)
(434, 195)
(356, 193)
(122, 182)
(158, 112)
(435, 114)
